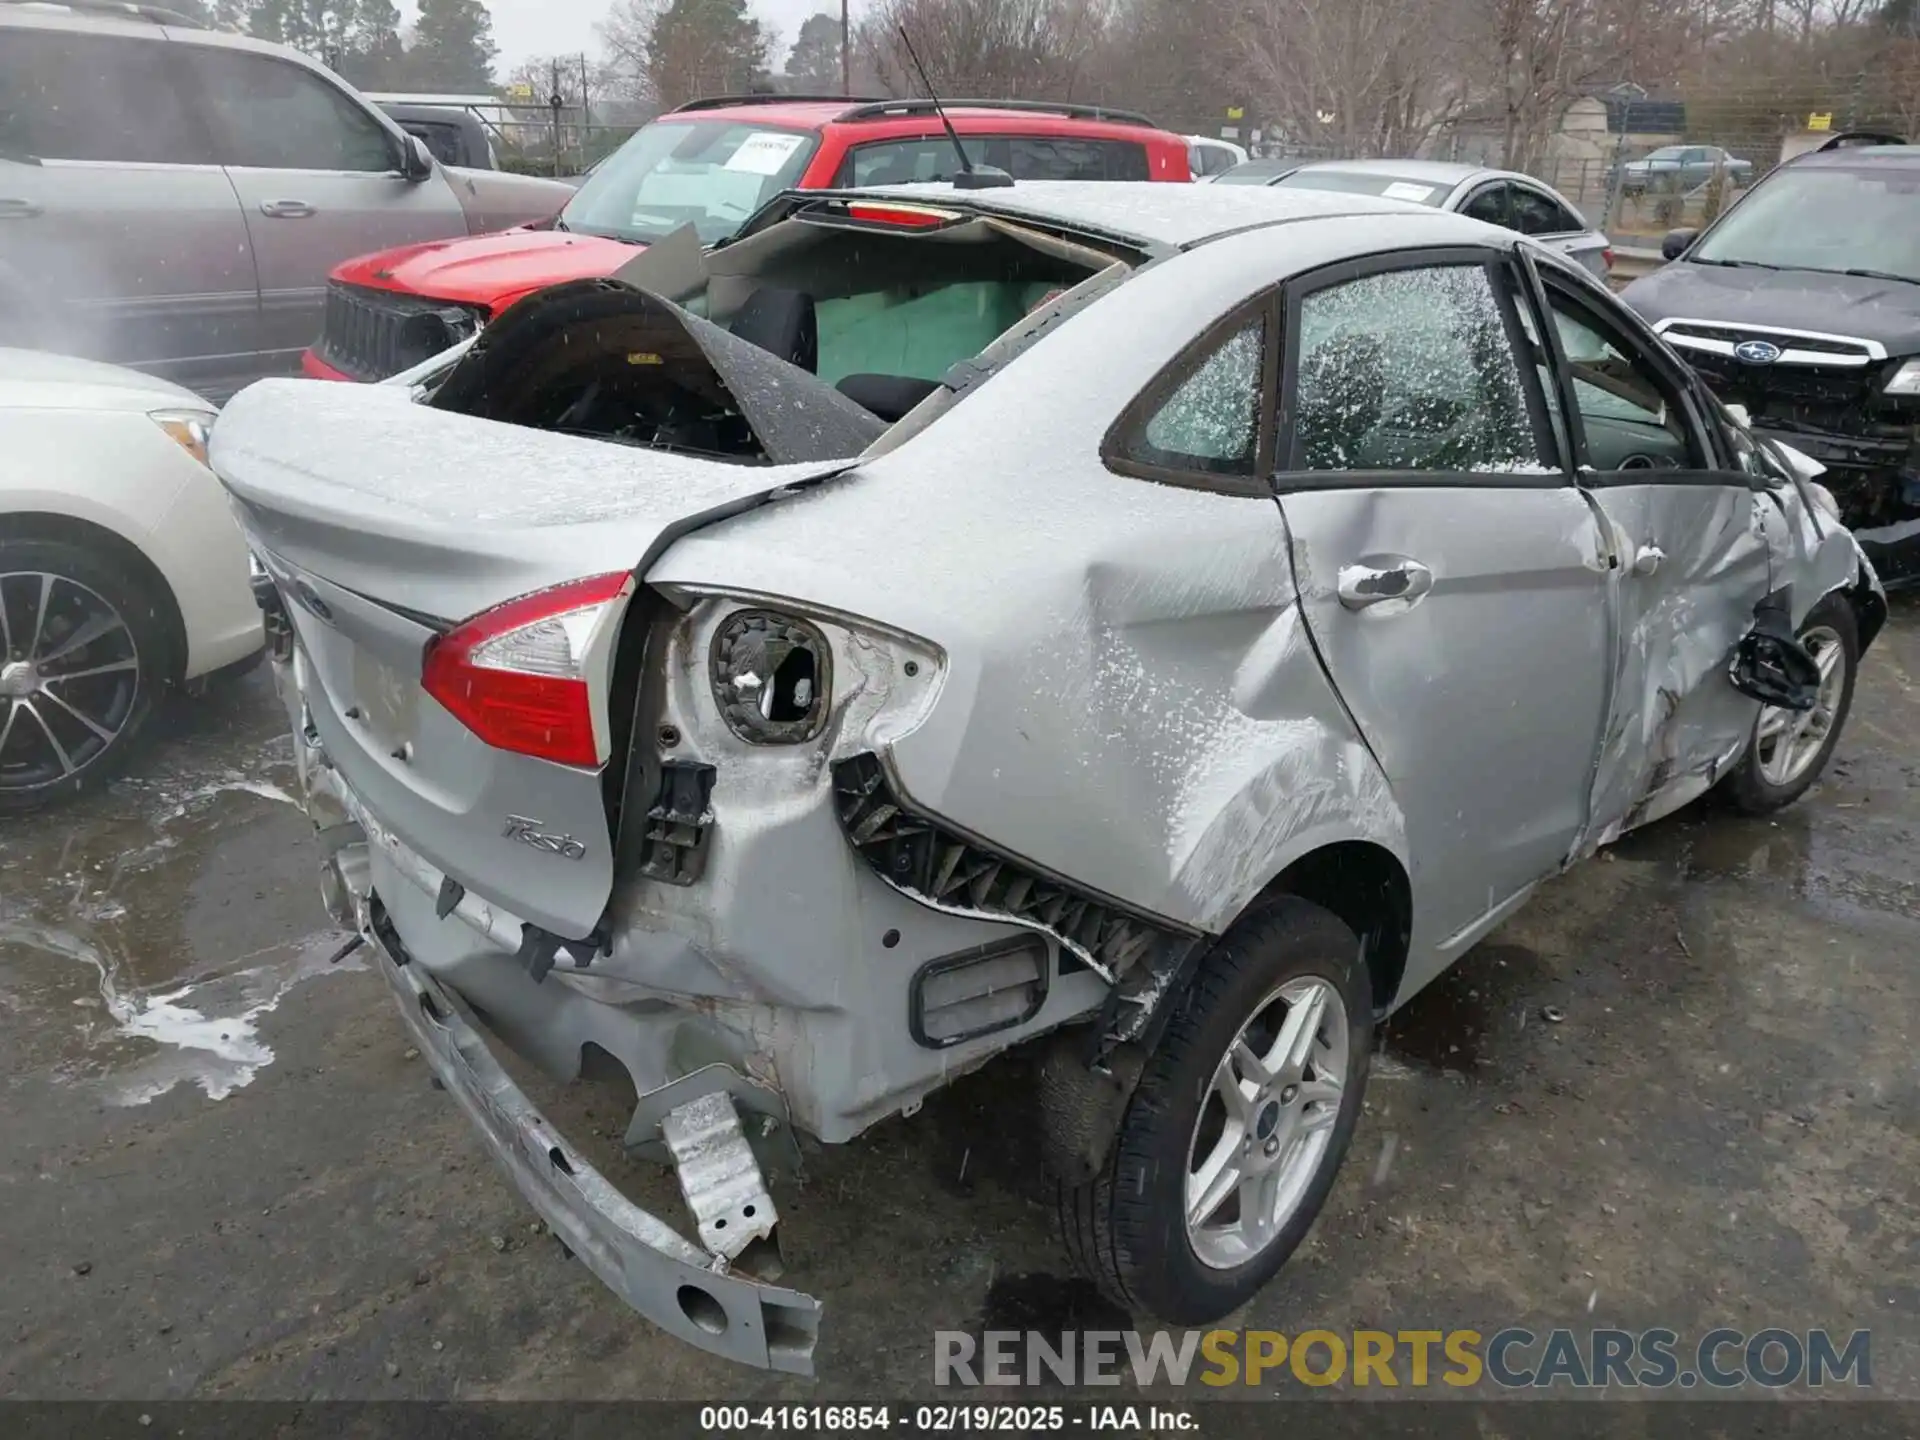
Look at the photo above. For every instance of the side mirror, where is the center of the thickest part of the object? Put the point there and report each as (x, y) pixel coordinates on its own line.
(416, 161)
(1676, 243)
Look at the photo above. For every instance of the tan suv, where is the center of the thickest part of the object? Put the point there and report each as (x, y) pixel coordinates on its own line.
(172, 197)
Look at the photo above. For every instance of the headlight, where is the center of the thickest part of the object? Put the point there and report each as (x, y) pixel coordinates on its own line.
(186, 428)
(772, 677)
(1906, 380)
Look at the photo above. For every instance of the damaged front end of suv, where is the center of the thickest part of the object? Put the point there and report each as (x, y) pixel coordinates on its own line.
(1839, 400)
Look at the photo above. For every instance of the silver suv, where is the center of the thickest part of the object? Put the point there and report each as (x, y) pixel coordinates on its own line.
(173, 197)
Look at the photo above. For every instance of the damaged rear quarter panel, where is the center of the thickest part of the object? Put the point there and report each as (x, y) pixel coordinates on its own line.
(1131, 701)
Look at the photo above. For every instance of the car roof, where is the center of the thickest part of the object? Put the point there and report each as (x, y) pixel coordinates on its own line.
(1856, 156)
(1178, 216)
(908, 116)
(1437, 172)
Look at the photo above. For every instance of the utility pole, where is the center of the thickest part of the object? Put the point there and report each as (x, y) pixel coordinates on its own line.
(846, 50)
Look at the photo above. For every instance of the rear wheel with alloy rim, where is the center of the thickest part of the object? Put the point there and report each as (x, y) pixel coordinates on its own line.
(1238, 1125)
(81, 657)
(1791, 747)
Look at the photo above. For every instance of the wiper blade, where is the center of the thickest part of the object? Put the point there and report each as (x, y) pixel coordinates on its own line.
(1882, 275)
(1738, 264)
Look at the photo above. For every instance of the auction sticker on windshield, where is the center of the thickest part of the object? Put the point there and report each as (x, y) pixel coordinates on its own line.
(764, 152)
(1405, 190)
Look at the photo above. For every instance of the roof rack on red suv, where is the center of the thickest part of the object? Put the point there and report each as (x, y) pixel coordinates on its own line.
(891, 109)
(869, 107)
(766, 97)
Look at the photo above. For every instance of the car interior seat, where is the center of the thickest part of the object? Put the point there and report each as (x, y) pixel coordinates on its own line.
(783, 323)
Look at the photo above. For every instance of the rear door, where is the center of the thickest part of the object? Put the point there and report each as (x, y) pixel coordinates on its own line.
(319, 182)
(1695, 539)
(121, 237)
(1454, 578)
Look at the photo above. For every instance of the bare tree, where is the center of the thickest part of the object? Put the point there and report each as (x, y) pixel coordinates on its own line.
(668, 52)
(1012, 49)
(1350, 77)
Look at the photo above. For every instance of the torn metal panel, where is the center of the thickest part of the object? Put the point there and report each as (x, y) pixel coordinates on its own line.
(601, 358)
(719, 1177)
(1695, 562)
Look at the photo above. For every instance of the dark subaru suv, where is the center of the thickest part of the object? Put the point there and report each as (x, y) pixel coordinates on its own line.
(1802, 304)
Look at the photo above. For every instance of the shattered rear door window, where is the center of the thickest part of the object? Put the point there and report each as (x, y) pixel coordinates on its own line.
(1411, 370)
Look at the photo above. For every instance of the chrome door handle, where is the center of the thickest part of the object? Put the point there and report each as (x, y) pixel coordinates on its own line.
(286, 209)
(1362, 585)
(11, 209)
(1648, 559)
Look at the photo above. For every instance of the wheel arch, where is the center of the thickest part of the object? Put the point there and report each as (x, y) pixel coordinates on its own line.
(1869, 604)
(75, 530)
(1367, 887)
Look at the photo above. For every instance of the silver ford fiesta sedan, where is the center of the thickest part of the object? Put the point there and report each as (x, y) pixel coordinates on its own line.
(1169, 627)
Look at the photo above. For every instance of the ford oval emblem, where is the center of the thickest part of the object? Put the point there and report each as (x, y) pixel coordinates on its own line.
(1756, 352)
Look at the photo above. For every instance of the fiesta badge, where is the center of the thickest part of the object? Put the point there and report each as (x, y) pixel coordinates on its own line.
(1756, 352)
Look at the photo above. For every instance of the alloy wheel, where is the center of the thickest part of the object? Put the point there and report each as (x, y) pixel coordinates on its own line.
(1266, 1122)
(1787, 742)
(69, 678)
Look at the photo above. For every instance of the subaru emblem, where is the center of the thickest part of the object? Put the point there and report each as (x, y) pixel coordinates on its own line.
(1756, 352)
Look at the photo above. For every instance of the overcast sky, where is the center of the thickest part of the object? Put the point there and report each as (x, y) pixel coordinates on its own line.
(526, 29)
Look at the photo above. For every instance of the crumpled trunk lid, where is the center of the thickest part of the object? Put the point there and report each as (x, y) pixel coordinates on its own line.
(382, 521)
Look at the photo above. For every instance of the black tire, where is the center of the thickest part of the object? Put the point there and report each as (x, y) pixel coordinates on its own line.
(36, 773)
(1126, 1229)
(1747, 786)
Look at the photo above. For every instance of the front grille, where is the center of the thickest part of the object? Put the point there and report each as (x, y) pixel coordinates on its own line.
(371, 334)
(1858, 351)
(1837, 400)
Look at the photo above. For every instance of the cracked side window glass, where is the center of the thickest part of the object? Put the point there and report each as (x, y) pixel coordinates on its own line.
(1411, 370)
(1211, 422)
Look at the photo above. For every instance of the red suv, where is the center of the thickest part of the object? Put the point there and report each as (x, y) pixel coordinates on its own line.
(712, 163)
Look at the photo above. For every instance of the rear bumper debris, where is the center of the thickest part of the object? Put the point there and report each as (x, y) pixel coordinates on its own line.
(646, 1262)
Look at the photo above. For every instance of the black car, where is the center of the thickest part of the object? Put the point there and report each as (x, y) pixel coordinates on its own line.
(1802, 304)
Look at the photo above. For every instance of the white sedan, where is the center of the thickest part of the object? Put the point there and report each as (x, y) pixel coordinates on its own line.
(122, 573)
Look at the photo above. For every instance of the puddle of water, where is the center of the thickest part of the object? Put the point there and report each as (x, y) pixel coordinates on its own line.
(1838, 861)
(1456, 1022)
(207, 1030)
(150, 926)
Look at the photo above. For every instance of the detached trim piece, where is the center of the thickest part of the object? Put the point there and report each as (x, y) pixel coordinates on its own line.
(938, 865)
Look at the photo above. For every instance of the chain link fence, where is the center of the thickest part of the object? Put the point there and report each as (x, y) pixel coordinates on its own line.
(1638, 165)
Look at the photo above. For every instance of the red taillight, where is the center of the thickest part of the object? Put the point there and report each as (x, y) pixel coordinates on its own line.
(909, 217)
(1606, 257)
(530, 675)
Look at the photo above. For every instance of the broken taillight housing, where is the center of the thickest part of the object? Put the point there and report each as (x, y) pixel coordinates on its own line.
(772, 677)
(531, 676)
